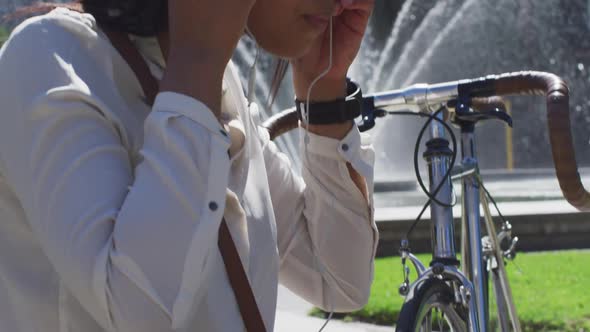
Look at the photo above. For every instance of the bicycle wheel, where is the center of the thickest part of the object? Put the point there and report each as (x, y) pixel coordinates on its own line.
(432, 308)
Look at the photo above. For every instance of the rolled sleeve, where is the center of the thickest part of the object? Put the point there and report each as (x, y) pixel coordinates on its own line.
(213, 202)
(191, 108)
(327, 243)
(355, 148)
(132, 245)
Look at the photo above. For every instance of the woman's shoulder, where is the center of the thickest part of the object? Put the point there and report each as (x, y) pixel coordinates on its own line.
(50, 40)
(62, 56)
(60, 23)
(62, 48)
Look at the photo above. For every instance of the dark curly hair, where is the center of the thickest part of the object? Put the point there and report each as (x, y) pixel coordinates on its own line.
(139, 17)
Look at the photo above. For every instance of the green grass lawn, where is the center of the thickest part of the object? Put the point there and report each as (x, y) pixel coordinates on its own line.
(551, 291)
(3, 35)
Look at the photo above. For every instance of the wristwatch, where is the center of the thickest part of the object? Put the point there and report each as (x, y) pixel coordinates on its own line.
(335, 111)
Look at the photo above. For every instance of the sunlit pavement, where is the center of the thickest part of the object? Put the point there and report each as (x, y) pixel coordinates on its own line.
(290, 322)
(292, 317)
(530, 199)
(519, 186)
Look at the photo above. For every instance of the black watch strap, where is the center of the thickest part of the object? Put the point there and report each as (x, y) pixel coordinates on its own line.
(335, 111)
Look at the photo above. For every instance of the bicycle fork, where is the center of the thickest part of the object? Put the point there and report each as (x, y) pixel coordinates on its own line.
(497, 270)
(471, 235)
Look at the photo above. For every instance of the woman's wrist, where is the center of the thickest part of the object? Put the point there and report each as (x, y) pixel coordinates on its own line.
(326, 89)
(336, 131)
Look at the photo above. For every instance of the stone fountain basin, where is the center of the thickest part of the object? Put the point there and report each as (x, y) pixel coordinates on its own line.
(530, 199)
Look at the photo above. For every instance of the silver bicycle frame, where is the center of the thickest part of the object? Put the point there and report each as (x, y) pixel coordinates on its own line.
(421, 98)
(473, 267)
(443, 232)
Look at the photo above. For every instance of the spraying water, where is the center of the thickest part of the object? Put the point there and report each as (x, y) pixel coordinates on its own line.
(441, 40)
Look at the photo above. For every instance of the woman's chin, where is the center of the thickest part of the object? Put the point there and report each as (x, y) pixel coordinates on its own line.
(287, 50)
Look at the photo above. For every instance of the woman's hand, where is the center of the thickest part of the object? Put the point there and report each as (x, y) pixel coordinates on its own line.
(349, 25)
(202, 37)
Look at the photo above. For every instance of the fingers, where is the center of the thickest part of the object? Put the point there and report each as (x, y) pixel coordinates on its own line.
(365, 5)
(355, 17)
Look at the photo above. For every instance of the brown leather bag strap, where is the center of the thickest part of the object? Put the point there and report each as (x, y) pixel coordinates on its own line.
(237, 276)
(129, 52)
(239, 281)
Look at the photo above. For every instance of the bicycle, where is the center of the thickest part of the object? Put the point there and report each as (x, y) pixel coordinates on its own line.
(448, 294)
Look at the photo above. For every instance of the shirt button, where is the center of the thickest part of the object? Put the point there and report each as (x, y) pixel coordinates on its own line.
(213, 206)
(344, 147)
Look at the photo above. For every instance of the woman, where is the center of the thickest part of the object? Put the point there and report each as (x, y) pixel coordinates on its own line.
(111, 207)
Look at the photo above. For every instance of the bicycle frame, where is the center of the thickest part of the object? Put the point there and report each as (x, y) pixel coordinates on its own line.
(472, 284)
(473, 267)
(443, 239)
(498, 271)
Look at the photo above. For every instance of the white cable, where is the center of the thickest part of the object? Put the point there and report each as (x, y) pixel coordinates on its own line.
(305, 117)
(305, 124)
(327, 321)
(320, 76)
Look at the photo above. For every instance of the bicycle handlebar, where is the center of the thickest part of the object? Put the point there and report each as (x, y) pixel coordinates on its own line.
(482, 92)
(287, 120)
(281, 122)
(558, 120)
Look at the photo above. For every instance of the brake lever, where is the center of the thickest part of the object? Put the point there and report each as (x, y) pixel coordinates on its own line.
(477, 116)
(368, 114)
(468, 114)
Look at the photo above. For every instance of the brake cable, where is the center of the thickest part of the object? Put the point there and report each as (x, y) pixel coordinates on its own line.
(431, 196)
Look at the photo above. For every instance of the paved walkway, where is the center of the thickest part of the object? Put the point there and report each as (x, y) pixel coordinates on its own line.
(292, 317)
(291, 322)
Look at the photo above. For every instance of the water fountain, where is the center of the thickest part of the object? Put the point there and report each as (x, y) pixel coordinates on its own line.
(432, 41)
(436, 41)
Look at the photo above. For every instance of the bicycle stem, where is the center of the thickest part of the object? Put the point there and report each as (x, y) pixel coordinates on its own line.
(418, 97)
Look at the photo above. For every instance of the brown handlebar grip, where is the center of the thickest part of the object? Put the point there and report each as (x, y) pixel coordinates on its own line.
(281, 123)
(560, 134)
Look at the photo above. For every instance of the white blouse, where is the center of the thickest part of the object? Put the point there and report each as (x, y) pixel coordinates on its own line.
(110, 208)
